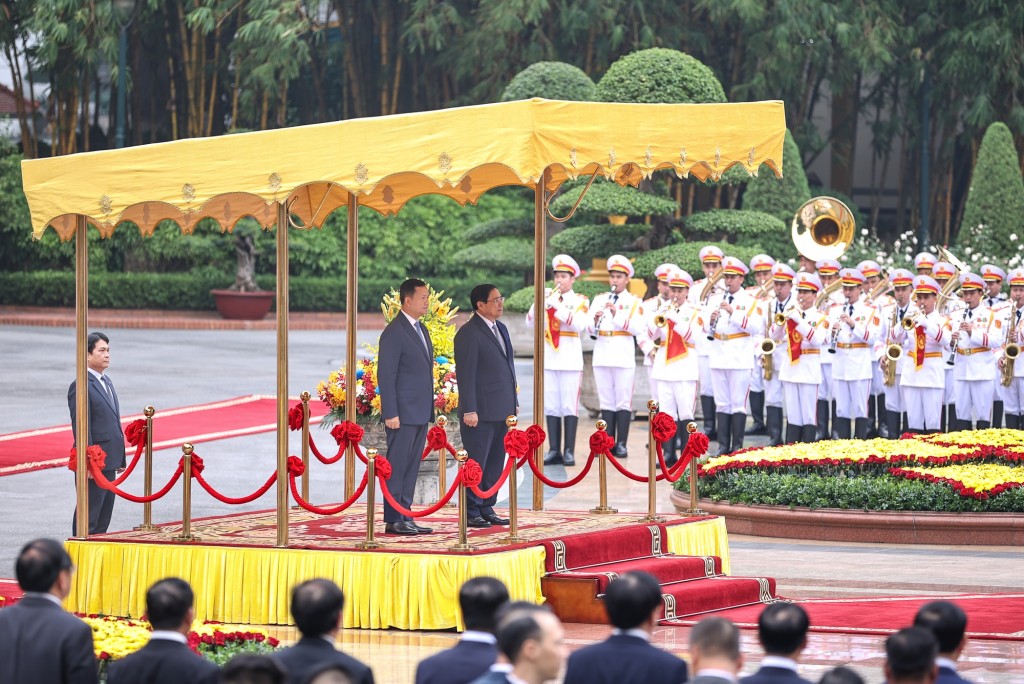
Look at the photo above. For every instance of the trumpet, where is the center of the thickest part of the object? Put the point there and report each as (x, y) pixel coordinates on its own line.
(893, 353)
(827, 292)
(660, 321)
(908, 323)
(780, 317)
(767, 363)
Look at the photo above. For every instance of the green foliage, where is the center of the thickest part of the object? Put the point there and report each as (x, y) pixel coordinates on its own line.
(738, 226)
(780, 197)
(521, 300)
(608, 198)
(501, 254)
(551, 80)
(686, 255)
(995, 201)
(586, 243)
(499, 227)
(659, 75)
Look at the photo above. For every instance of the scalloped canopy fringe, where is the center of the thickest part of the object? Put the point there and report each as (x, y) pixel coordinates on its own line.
(384, 162)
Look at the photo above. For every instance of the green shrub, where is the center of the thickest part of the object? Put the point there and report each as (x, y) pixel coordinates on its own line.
(498, 228)
(686, 255)
(608, 198)
(501, 254)
(737, 226)
(586, 243)
(551, 80)
(780, 197)
(995, 199)
(659, 75)
(520, 300)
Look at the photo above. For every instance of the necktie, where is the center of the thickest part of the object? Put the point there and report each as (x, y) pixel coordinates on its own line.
(423, 335)
(851, 310)
(730, 299)
(615, 298)
(109, 386)
(1018, 316)
(970, 314)
(494, 329)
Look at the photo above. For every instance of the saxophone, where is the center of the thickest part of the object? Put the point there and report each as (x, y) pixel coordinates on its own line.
(1011, 350)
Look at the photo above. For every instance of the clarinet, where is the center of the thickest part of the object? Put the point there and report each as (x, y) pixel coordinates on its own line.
(953, 345)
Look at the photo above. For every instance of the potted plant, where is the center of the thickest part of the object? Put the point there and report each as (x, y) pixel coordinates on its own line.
(244, 300)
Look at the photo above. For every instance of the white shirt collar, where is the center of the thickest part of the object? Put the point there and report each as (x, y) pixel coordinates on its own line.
(515, 680)
(942, 661)
(480, 637)
(412, 320)
(634, 632)
(95, 374)
(504, 668)
(721, 674)
(778, 661)
(169, 635)
(44, 595)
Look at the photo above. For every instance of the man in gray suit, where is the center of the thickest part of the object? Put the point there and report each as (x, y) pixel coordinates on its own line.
(405, 377)
(715, 652)
(487, 395)
(104, 431)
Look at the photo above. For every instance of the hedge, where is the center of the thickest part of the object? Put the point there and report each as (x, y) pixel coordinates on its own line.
(606, 198)
(586, 243)
(660, 75)
(686, 255)
(741, 227)
(520, 300)
(551, 80)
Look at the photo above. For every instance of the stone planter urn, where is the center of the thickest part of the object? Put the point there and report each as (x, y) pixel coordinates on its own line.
(243, 306)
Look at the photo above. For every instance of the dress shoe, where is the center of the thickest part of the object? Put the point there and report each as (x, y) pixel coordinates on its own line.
(552, 458)
(400, 527)
(477, 521)
(420, 529)
(495, 520)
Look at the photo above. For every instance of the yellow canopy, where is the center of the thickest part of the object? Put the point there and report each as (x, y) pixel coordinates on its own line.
(385, 161)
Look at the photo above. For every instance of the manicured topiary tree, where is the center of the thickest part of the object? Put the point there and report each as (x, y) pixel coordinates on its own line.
(995, 201)
(586, 243)
(780, 197)
(659, 75)
(741, 227)
(606, 198)
(551, 80)
(686, 255)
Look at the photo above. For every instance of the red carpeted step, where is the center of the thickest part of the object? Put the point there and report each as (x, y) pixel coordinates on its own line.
(716, 593)
(10, 592)
(666, 569)
(621, 543)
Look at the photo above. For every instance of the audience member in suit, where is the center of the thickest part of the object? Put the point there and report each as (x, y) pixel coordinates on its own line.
(531, 639)
(841, 675)
(166, 659)
(479, 598)
(329, 674)
(782, 631)
(39, 641)
(715, 652)
(487, 395)
(948, 622)
(104, 431)
(633, 602)
(317, 610)
(910, 657)
(405, 378)
(249, 668)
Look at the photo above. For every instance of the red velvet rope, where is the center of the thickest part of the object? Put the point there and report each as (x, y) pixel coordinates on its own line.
(486, 493)
(296, 417)
(102, 481)
(197, 473)
(295, 468)
(320, 457)
(426, 511)
(517, 443)
(135, 434)
(131, 465)
(561, 485)
(437, 439)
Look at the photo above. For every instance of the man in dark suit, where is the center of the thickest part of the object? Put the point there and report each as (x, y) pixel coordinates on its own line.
(39, 641)
(910, 657)
(715, 652)
(480, 598)
(166, 659)
(487, 395)
(405, 378)
(948, 622)
(316, 608)
(104, 431)
(531, 639)
(633, 602)
(782, 631)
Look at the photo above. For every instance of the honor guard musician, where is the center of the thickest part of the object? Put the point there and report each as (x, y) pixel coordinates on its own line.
(894, 345)
(675, 332)
(807, 265)
(925, 345)
(828, 272)
(618, 316)
(924, 263)
(977, 335)
(943, 272)
(995, 300)
(1011, 371)
(761, 268)
(782, 282)
(799, 329)
(734, 325)
(566, 315)
(875, 295)
(654, 306)
(854, 329)
(711, 263)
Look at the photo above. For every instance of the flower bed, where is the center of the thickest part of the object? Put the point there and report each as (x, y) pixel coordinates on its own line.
(978, 471)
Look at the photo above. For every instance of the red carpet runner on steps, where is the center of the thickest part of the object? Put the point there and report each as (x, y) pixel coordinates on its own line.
(580, 567)
(21, 452)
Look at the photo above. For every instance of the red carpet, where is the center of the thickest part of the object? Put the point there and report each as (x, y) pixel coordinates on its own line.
(989, 616)
(21, 452)
(10, 592)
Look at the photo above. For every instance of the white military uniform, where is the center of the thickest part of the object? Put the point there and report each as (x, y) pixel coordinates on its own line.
(773, 391)
(704, 386)
(1013, 396)
(675, 363)
(975, 367)
(799, 370)
(854, 358)
(652, 307)
(892, 332)
(922, 375)
(615, 347)
(568, 315)
(732, 351)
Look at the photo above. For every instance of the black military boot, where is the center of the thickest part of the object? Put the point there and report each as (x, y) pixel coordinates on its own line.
(883, 418)
(739, 423)
(871, 433)
(862, 427)
(724, 434)
(997, 413)
(609, 418)
(554, 454)
(892, 421)
(757, 413)
(1012, 421)
(622, 419)
(682, 437)
(835, 419)
(821, 430)
(983, 425)
(568, 455)
(808, 433)
(793, 433)
(841, 428)
(774, 425)
(707, 409)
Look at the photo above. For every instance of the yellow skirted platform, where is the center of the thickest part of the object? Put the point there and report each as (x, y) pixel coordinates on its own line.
(701, 538)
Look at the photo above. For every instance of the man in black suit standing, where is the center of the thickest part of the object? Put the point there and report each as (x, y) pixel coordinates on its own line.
(715, 652)
(533, 642)
(39, 641)
(910, 657)
(104, 431)
(316, 608)
(166, 659)
(633, 602)
(782, 631)
(948, 622)
(487, 395)
(405, 377)
(480, 599)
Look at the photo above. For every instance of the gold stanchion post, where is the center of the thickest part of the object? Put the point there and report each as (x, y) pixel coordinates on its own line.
(305, 445)
(602, 476)
(186, 497)
(371, 504)
(694, 509)
(513, 494)
(442, 465)
(463, 545)
(652, 467)
(147, 468)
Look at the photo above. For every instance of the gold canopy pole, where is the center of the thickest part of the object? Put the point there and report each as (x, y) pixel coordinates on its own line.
(82, 373)
(539, 269)
(282, 374)
(351, 304)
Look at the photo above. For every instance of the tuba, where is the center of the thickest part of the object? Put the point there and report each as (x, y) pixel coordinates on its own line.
(823, 228)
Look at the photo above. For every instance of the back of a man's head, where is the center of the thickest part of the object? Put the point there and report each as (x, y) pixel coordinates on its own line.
(251, 668)
(316, 606)
(516, 624)
(168, 602)
(782, 629)
(631, 599)
(946, 620)
(910, 656)
(716, 638)
(480, 598)
(841, 675)
(39, 565)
